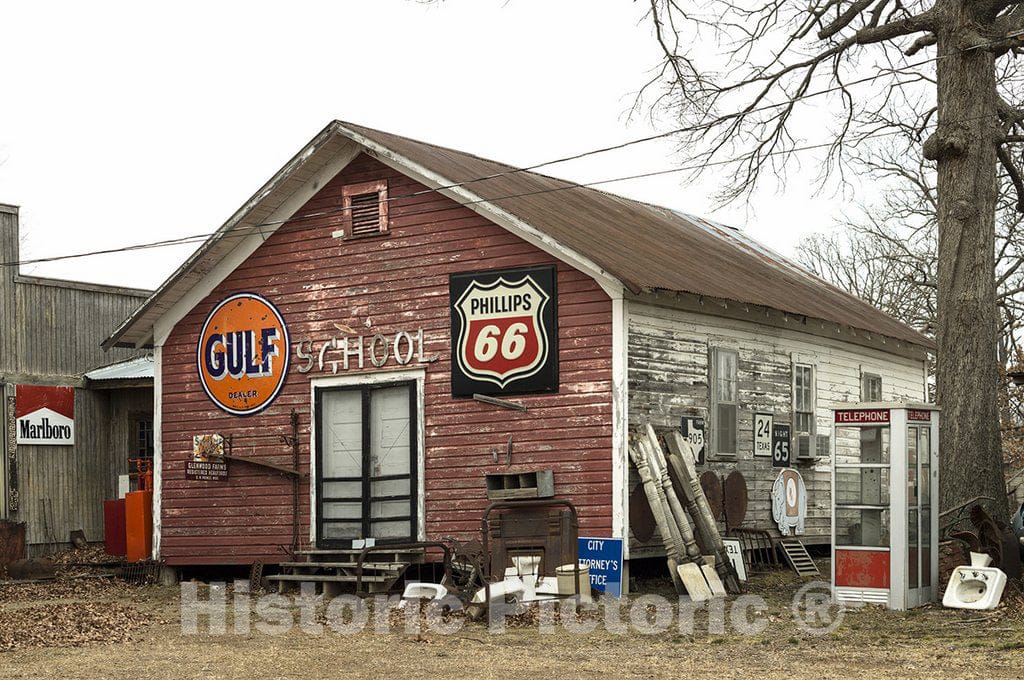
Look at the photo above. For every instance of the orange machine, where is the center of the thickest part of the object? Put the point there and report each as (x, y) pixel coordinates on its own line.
(138, 516)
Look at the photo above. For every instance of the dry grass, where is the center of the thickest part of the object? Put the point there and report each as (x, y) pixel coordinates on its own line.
(118, 631)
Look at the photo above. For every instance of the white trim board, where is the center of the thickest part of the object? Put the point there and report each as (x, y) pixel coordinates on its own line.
(620, 422)
(246, 246)
(158, 448)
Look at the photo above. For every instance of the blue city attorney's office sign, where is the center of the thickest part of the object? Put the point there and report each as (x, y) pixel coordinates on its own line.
(604, 558)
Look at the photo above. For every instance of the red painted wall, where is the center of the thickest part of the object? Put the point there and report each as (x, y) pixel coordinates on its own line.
(398, 282)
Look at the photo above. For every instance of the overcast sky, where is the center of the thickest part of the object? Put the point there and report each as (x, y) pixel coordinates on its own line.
(121, 123)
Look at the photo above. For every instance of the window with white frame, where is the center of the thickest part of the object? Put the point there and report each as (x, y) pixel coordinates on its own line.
(804, 409)
(724, 400)
(870, 387)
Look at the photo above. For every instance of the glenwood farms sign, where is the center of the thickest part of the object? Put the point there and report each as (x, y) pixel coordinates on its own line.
(504, 331)
(45, 415)
(242, 354)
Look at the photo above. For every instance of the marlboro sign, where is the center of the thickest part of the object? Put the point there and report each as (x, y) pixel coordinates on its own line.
(504, 331)
(45, 415)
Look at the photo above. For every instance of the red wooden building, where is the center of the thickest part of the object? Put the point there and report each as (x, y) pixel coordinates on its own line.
(376, 283)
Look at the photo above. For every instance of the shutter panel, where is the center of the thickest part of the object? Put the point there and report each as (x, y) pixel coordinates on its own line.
(366, 214)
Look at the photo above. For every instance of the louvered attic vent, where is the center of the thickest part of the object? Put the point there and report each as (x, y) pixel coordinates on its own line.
(364, 210)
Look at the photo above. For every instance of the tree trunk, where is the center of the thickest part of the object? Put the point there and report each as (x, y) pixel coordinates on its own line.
(968, 375)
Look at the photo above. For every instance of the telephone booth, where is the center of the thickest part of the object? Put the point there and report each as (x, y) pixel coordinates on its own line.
(885, 512)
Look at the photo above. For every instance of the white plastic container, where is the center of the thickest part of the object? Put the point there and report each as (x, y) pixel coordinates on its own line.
(565, 573)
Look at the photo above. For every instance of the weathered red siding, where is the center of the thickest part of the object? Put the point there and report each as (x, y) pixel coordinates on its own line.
(398, 282)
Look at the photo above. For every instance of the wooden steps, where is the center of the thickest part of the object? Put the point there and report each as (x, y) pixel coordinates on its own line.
(798, 557)
(331, 570)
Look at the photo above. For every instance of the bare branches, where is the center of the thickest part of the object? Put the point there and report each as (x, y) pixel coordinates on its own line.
(1014, 175)
(746, 103)
(845, 18)
(924, 41)
(885, 252)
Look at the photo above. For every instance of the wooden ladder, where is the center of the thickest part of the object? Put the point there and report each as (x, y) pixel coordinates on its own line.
(798, 557)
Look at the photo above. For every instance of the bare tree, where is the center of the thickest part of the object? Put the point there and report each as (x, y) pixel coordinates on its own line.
(754, 99)
(885, 251)
(872, 263)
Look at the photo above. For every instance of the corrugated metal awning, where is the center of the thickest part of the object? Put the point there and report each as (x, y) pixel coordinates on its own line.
(139, 368)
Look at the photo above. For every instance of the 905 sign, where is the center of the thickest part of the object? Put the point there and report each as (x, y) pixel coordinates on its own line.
(693, 433)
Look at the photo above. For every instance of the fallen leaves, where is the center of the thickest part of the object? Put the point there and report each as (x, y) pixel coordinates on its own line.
(65, 589)
(69, 625)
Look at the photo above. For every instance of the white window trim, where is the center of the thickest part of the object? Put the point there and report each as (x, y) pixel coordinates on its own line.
(797, 360)
(866, 370)
(377, 378)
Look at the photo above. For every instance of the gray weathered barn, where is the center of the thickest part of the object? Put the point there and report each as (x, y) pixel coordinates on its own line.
(50, 334)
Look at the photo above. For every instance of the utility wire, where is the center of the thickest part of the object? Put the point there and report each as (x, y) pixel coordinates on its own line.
(185, 240)
(249, 230)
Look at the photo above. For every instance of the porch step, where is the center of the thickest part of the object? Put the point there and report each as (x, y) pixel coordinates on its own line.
(332, 584)
(331, 578)
(798, 557)
(331, 568)
(350, 554)
(367, 566)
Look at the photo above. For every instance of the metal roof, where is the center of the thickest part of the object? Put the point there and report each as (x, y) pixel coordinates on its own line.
(139, 368)
(643, 246)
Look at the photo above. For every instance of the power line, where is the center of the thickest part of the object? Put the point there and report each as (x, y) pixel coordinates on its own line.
(246, 231)
(185, 240)
(709, 125)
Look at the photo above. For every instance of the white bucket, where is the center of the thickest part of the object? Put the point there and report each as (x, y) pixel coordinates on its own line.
(565, 587)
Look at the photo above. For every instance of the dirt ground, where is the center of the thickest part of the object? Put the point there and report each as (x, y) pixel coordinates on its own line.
(102, 628)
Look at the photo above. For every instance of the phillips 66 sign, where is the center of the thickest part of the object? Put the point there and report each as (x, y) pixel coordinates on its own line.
(504, 331)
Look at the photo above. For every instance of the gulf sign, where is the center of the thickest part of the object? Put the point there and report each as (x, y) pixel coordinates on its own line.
(504, 331)
(45, 415)
(242, 354)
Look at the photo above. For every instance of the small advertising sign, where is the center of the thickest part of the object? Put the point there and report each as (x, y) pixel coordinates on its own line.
(207, 463)
(693, 433)
(763, 434)
(781, 437)
(45, 415)
(604, 558)
(504, 331)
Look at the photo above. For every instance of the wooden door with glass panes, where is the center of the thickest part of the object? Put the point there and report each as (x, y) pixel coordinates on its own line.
(366, 484)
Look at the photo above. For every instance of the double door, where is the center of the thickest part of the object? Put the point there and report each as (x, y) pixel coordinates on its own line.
(366, 484)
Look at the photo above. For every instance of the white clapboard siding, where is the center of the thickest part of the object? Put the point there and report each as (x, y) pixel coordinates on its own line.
(668, 378)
